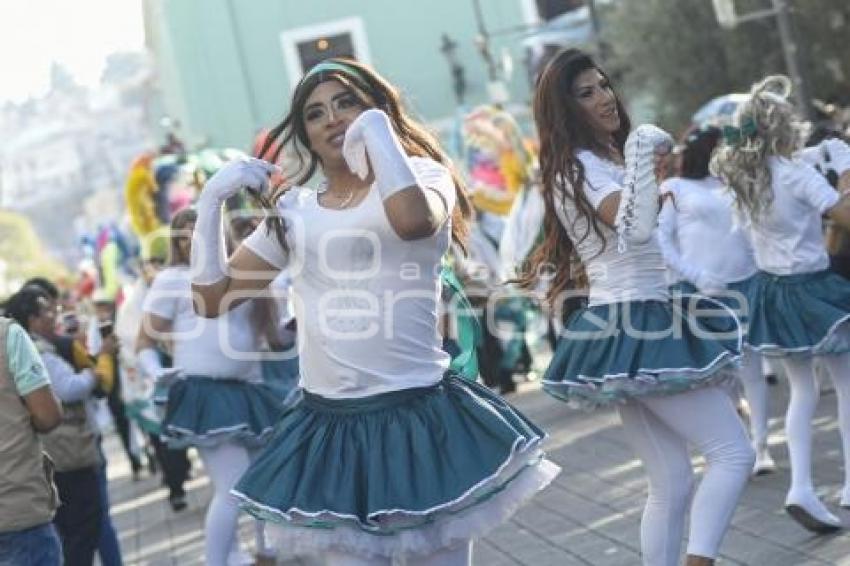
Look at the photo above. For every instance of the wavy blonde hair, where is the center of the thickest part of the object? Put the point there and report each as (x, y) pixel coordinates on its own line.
(778, 131)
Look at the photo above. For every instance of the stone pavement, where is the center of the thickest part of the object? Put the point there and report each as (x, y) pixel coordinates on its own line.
(589, 516)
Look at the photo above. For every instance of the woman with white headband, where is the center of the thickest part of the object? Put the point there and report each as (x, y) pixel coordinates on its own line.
(388, 454)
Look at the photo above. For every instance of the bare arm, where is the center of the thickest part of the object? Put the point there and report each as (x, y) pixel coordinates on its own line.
(415, 212)
(44, 408)
(246, 275)
(607, 211)
(153, 329)
(844, 182)
(840, 213)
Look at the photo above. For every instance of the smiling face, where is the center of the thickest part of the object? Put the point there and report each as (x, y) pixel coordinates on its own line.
(596, 98)
(328, 111)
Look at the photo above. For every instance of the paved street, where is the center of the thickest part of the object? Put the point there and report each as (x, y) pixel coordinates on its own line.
(589, 516)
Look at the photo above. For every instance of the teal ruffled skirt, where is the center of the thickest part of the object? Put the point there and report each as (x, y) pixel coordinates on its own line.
(799, 315)
(404, 472)
(202, 411)
(610, 353)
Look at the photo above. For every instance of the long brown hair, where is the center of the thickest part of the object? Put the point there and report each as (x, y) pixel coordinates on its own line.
(371, 90)
(564, 129)
(177, 232)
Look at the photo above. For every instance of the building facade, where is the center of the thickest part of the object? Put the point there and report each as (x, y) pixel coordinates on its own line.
(226, 68)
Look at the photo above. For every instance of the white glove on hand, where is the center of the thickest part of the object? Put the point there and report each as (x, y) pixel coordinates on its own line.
(163, 378)
(638, 211)
(236, 175)
(148, 362)
(371, 139)
(208, 261)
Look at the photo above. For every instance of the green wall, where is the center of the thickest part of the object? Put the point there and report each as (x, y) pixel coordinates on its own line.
(222, 67)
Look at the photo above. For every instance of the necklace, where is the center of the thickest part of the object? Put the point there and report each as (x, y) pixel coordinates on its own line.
(323, 190)
(346, 201)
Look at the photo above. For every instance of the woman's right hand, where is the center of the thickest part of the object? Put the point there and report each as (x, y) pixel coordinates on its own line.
(248, 172)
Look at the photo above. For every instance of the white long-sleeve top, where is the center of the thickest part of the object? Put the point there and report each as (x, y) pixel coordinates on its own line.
(829, 154)
(788, 236)
(698, 235)
(69, 385)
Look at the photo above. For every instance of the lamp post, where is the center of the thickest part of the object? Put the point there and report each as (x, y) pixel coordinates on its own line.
(727, 18)
(448, 47)
(496, 87)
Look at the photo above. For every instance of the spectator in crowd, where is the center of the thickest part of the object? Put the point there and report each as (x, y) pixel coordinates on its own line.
(28, 498)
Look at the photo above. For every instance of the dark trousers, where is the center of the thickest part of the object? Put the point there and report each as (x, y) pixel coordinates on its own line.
(122, 426)
(490, 366)
(79, 515)
(175, 466)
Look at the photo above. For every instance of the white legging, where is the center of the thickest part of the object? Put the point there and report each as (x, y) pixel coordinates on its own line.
(801, 411)
(755, 389)
(457, 555)
(660, 429)
(225, 464)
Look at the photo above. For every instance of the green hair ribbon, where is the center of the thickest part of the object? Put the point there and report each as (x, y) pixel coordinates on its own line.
(734, 135)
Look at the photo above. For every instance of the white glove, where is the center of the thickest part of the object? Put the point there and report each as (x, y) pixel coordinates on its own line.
(148, 361)
(638, 211)
(163, 378)
(208, 260)
(246, 172)
(371, 139)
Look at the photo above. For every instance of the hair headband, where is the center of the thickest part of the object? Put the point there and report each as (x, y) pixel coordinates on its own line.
(328, 65)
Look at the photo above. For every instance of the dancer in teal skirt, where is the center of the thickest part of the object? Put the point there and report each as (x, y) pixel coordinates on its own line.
(217, 401)
(659, 363)
(710, 253)
(799, 310)
(388, 454)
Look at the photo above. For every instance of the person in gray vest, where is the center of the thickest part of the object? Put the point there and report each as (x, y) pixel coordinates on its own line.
(73, 444)
(27, 495)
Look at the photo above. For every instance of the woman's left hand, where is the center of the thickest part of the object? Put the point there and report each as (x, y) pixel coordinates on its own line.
(370, 124)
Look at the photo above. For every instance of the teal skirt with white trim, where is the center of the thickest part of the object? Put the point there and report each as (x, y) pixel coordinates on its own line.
(202, 411)
(404, 472)
(611, 353)
(799, 315)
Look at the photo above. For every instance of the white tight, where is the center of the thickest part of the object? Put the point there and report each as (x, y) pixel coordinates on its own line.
(660, 429)
(225, 464)
(755, 389)
(457, 555)
(801, 411)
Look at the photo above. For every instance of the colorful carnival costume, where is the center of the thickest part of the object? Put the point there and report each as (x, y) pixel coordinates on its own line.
(697, 212)
(140, 196)
(499, 166)
(654, 360)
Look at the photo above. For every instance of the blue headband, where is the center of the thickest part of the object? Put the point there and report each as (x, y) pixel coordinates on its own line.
(333, 66)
